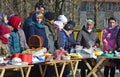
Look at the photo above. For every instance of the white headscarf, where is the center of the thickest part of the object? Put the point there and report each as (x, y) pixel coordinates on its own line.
(62, 18)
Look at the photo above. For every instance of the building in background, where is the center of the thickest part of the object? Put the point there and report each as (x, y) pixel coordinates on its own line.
(106, 9)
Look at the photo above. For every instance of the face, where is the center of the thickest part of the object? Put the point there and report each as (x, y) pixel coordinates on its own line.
(70, 31)
(5, 18)
(39, 20)
(19, 25)
(42, 10)
(7, 35)
(89, 26)
(112, 23)
(52, 21)
(64, 23)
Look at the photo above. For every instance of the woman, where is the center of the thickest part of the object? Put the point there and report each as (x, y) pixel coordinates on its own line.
(37, 27)
(4, 39)
(86, 36)
(63, 42)
(15, 37)
(109, 44)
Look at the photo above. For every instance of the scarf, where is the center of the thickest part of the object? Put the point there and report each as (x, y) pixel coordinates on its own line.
(39, 25)
(4, 40)
(113, 31)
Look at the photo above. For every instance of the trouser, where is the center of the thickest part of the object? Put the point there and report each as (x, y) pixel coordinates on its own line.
(108, 69)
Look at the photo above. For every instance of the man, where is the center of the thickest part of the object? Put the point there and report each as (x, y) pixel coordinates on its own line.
(50, 30)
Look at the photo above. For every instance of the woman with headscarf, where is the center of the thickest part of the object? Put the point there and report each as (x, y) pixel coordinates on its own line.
(109, 45)
(14, 40)
(4, 39)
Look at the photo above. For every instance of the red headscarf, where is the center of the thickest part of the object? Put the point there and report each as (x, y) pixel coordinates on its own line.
(4, 30)
(14, 21)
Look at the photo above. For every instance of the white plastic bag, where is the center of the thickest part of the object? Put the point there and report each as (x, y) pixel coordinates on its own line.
(38, 59)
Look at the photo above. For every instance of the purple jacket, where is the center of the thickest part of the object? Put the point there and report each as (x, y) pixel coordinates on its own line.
(109, 38)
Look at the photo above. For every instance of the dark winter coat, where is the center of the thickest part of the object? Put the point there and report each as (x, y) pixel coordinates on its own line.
(63, 40)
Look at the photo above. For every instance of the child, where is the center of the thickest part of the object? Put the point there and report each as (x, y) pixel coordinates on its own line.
(15, 36)
(4, 38)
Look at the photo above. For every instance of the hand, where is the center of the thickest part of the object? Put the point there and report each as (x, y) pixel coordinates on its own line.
(108, 36)
(45, 49)
(77, 46)
(118, 49)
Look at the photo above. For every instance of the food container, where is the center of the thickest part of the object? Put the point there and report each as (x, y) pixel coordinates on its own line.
(23, 57)
(17, 55)
(26, 58)
(66, 57)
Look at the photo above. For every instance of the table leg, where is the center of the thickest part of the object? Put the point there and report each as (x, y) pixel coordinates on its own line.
(2, 73)
(73, 69)
(21, 70)
(99, 69)
(89, 67)
(43, 71)
(28, 71)
(62, 70)
(56, 70)
(96, 66)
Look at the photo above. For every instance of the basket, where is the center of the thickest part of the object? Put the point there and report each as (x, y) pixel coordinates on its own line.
(35, 42)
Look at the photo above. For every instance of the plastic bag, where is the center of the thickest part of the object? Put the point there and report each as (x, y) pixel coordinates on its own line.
(37, 59)
(59, 53)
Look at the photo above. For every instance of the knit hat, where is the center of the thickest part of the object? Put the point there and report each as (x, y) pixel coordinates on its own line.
(59, 24)
(49, 16)
(69, 26)
(62, 18)
(14, 21)
(4, 29)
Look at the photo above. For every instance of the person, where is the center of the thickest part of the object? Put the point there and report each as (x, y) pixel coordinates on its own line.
(63, 19)
(109, 45)
(63, 36)
(4, 40)
(4, 48)
(38, 7)
(63, 43)
(72, 38)
(50, 30)
(22, 39)
(4, 19)
(58, 26)
(37, 27)
(14, 40)
(84, 37)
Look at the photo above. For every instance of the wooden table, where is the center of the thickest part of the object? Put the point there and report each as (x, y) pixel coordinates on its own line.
(21, 67)
(99, 65)
(73, 65)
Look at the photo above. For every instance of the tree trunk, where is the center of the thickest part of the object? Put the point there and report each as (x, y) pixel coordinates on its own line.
(96, 14)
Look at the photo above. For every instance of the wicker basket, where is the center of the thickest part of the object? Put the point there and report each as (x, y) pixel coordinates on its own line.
(35, 42)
